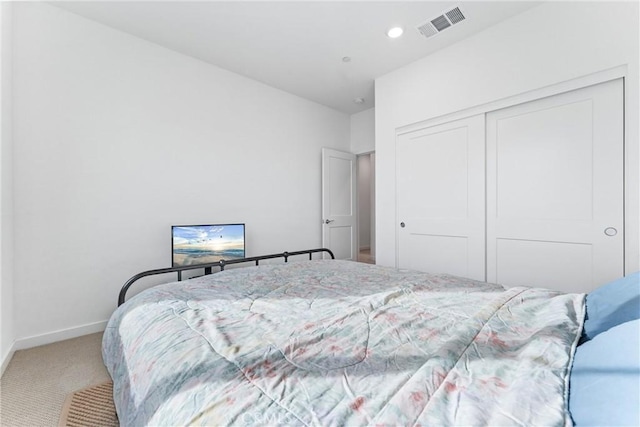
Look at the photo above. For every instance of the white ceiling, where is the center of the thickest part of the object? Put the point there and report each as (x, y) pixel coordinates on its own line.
(298, 46)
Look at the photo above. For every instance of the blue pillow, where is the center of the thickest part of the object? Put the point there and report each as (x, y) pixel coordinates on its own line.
(612, 304)
(604, 385)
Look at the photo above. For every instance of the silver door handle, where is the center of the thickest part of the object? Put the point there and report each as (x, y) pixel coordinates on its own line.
(328, 221)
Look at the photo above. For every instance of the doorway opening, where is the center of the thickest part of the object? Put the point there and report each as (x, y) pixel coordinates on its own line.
(365, 170)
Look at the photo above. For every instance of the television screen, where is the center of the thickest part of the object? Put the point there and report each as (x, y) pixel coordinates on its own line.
(204, 244)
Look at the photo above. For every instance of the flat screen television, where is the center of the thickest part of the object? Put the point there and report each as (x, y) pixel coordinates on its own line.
(204, 244)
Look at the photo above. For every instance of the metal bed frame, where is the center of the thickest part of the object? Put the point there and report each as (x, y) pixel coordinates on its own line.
(208, 267)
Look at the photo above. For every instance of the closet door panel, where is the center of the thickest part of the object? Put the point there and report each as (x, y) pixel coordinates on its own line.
(436, 253)
(521, 262)
(544, 163)
(440, 190)
(554, 186)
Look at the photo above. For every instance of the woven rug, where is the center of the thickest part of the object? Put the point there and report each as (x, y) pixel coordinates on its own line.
(90, 407)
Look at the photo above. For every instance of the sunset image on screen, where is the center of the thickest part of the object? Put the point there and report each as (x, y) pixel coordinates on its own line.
(203, 244)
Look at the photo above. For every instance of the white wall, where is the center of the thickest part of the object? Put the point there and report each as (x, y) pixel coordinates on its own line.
(363, 141)
(364, 201)
(7, 335)
(372, 161)
(363, 131)
(117, 138)
(547, 45)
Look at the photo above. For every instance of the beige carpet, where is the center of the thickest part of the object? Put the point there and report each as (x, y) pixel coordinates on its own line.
(37, 381)
(90, 407)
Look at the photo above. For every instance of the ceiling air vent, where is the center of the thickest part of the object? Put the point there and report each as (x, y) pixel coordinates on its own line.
(441, 23)
(455, 15)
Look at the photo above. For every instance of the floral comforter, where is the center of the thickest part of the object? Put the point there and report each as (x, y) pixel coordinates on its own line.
(341, 343)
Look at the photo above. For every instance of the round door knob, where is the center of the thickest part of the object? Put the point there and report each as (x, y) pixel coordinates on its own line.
(402, 224)
(610, 231)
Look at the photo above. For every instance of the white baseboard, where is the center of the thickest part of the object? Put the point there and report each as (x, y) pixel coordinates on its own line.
(6, 358)
(60, 335)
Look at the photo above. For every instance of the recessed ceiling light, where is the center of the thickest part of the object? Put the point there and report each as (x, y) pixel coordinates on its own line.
(358, 100)
(395, 32)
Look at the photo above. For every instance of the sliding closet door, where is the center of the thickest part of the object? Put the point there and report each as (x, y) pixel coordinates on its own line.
(555, 190)
(440, 199)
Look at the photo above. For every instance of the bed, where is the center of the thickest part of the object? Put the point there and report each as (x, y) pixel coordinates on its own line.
(330, 342)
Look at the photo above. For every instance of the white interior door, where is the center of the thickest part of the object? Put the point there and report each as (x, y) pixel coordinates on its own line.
(339, 218)
(555, 190)
(441, 199)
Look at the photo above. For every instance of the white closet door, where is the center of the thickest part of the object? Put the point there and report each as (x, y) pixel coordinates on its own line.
(440, 191)
(555, 190)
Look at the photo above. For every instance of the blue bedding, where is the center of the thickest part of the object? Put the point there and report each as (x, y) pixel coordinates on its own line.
(612, 304)
(605, 377)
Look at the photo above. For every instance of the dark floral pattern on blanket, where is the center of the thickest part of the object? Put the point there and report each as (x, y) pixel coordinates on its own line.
(341, 343)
